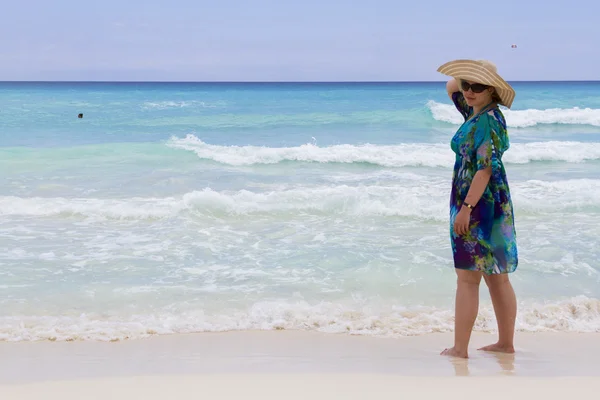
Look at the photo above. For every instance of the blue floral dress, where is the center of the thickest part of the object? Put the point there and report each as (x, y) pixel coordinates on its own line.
(490, 244)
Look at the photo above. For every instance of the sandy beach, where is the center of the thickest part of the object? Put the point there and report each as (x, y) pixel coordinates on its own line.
(294, 365)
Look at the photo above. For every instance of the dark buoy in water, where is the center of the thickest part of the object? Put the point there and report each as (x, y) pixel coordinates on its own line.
(80, 116)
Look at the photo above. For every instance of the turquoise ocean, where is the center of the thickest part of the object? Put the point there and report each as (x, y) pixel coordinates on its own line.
(201, 207)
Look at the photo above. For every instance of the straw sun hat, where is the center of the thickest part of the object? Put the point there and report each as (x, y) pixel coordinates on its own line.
(480, 71)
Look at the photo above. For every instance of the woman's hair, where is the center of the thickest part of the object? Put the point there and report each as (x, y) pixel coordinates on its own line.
(495, 97)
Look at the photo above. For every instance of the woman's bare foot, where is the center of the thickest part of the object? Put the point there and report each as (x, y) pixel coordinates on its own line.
(499, 348)
(452, 352)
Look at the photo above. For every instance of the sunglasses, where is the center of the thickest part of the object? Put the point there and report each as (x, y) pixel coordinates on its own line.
(475, 87)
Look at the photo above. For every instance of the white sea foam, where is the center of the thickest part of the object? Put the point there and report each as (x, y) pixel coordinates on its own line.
(371, 200)
(400, 155)
(579, 314)
(423, 199)
(524, 118)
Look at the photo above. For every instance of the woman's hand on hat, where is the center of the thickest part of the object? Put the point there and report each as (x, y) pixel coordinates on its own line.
(452, 87)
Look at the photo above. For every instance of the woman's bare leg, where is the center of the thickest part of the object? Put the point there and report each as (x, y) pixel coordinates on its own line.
(466, 309)
(505, 308)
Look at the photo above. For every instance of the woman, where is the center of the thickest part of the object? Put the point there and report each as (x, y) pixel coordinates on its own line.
(482, 228)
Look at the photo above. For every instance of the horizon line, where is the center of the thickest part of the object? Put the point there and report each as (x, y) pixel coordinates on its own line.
(284, 81)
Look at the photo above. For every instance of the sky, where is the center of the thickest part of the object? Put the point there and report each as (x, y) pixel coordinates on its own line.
(301, 40)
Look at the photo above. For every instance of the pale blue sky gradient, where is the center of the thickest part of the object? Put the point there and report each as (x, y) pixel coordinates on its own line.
(308, 40)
